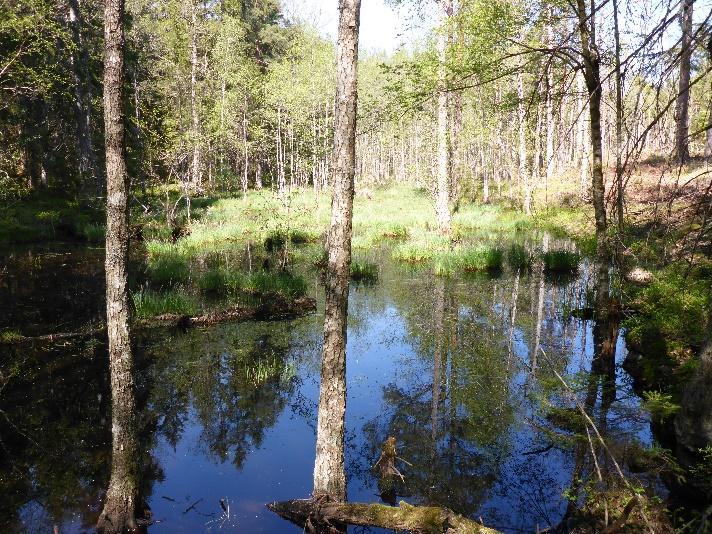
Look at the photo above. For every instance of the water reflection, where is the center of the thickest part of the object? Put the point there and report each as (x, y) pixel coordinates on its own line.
(228, 413)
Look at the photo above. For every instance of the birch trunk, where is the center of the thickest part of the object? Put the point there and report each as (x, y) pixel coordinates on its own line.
(682, 148)
(442, 201)
(329, 475)
(119, 509)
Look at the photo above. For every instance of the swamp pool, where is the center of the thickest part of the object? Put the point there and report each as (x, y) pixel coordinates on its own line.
(461, 370)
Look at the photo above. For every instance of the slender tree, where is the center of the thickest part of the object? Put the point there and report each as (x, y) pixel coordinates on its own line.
(682, 114)
(592, 76)
(442, 201)
(329, 475)
(119, 513)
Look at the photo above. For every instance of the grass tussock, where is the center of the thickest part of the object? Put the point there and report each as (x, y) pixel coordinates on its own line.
(148, 303)
(168, 269)
(230, 282)
(519, 258)
(561, 261)
(364, 272)
(481, 258)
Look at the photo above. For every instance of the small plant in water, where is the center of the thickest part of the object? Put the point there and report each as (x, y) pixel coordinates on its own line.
(519, 258)
(561, 261)
(364, 272)
(481, 258)
(149, 303)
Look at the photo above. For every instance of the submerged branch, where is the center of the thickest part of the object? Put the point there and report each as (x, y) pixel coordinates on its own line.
(322, 516)
(274, 309)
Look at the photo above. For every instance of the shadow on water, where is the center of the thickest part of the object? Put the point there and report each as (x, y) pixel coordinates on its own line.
(452, 368)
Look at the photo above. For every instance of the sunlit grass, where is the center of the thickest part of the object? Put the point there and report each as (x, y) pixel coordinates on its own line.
(481, 258)
(231, 282)
(148, 303)
(519, 258)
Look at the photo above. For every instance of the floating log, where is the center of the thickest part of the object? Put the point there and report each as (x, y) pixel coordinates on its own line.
(274, 309)
(320, 515)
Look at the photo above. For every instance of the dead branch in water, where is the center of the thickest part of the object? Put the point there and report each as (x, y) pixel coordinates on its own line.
(277, 308)
(319, 515)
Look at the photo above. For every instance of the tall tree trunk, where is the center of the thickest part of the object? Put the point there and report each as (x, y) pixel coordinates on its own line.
(523, 162)
(121, 498)
(619, 121)
(592, 77)
(682, 148)
(549, 169)
(79, 59)
(442, 201)
(195, 121)
(329, 475)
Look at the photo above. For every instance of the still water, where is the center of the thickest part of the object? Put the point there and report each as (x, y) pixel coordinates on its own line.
(461, 371)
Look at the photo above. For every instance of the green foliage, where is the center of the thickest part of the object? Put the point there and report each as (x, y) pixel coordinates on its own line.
(9, 335)
(230, 282)
(177, 301)
(364, 272)
(660, 405)
(167, 269)
(481, 258)
(93, 233)
(561, 261)
(519, 258)
(672, 315)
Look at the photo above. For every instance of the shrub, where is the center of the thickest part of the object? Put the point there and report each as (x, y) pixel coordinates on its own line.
(561, 261)
(364, 272)
(149, 303)
(481, 258)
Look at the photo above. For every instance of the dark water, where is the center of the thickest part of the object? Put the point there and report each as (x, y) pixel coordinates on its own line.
(228, 413)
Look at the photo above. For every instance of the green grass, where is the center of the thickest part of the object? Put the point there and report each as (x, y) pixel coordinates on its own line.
(93, 233)
(10, 336)
(231, 283)
(168, 268)
(481, 258)
(561, 261)
(519, 258)
(149, 303)
(415, 252)
(363, 271)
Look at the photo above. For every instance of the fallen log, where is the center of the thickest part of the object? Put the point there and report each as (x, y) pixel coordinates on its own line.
(274, 309)
(319, 515)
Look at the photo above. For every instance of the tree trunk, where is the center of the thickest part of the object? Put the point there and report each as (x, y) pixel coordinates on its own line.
(329, 475)
(87, 164)
(682, 148)
(523, 163)
(195, 122)
(619, 121)
(119, 509)
(592, 77)
(442, 201)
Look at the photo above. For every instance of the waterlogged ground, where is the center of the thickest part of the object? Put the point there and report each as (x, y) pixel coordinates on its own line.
(461, 370)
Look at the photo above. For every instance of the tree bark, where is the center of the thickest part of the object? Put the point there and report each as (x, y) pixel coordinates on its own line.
(329, 475)
(442, 201)
(87, 164)
(119, 512)
(682, 148)
(523, 162)
(619, 121)
(195, 176)
(592, 77)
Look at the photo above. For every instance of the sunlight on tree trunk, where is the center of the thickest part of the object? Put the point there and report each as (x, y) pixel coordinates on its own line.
(119, 513)
(442, 201)
(682, 106)
(329, 475)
